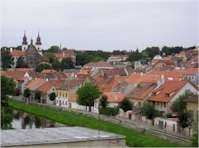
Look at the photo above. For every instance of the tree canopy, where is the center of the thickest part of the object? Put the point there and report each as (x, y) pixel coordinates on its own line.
(67, 63)
(126, 105)
(84, 57)
(6, 58)
(41, 67)
(87, 94)
(103, 102)
(148, 110)
(179, 107)
(27, 93)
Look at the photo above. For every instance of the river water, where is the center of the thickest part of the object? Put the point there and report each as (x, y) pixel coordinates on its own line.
(22, 120)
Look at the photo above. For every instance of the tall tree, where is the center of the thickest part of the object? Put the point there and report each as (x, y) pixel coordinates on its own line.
(41, 67)
(8, 86)
(148, 110)
(103, 102)
(126, 105)
(87, 94)
(6, 59)
(54, 49)
(27, 93)
(67, 63)
(179, 107)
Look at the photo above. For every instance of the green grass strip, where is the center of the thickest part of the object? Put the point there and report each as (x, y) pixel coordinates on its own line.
(133, 137)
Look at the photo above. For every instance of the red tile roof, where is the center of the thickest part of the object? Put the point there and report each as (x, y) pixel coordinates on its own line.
(44, 88)
(35, 83)
(99, 64)
(167, 91)
(17, 75)
(114, 97)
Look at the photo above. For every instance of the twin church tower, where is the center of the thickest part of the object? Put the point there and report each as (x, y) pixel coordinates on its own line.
(25, 45)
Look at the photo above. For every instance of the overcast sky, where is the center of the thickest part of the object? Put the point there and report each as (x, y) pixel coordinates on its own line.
(101, 24)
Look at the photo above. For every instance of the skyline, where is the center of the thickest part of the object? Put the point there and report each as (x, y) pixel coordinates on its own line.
(101, 25)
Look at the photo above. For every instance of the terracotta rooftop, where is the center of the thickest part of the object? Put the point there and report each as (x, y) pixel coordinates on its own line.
(99, 64)
(35, 83)
(114, 97)
(17, 75)
(167, 90)
(45, 87)
(142, 91)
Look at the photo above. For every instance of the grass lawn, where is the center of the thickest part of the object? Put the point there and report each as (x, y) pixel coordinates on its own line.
(133, 137)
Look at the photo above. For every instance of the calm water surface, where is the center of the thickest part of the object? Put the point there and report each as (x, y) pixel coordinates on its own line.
(22, 120)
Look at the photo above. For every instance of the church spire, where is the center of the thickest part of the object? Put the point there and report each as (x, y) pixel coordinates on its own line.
(24, 42)
(38, 40)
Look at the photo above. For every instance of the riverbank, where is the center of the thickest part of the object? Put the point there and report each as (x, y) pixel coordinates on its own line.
(133, 137)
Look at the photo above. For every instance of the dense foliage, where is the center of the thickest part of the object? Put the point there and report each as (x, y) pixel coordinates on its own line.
(41, 67)
(125, 105)
(84, 57)
(103, 102)
(6, 58)
(87, 94)
(67, 63)
(109, 111)
(27, 93)
(7, 88)
(148, 110)
(179, 107)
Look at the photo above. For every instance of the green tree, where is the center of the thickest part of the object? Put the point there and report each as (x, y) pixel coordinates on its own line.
(54, 49)
(57, 65)
(51, 57)
(6, 59)
(8, 86)
(179, 107)
(135, 56)
(150, 52)
(21, 63)
(87, 94)
(38, 96)
(27, 93)
(67, 63)
(103, 102)
(195, 140)
(52, 96)
(41, 67)
(148, 110)
(126, 105)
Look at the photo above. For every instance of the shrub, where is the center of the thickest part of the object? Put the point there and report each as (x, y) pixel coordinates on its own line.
(109, 111)
(195, 140)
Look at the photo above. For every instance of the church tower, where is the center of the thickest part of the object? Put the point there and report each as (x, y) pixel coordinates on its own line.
(38, 42)
(24, 43)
